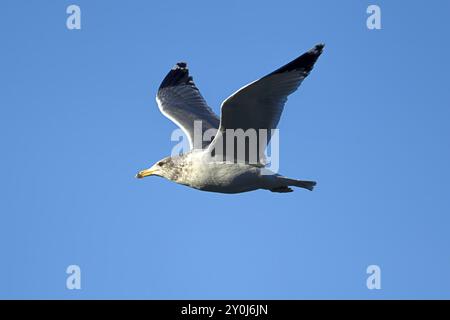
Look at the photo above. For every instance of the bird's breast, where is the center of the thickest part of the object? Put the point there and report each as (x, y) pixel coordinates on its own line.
(223, 177)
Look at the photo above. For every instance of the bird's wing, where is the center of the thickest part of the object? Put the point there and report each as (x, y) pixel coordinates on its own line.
(259, 104)
(180, 100)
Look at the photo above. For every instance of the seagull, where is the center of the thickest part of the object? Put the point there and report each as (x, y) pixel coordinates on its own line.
(209, 165)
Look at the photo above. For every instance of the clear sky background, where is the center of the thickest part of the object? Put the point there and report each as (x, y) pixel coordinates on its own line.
(79, 119)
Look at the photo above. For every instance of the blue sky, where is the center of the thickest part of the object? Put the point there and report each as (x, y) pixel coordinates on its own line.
(79, 119)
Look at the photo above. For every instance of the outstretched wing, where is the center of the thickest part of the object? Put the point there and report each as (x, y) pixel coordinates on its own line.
(259, 104)
(180, 100)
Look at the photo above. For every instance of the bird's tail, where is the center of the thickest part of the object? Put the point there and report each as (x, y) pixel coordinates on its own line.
(304, 184)
(293, 182)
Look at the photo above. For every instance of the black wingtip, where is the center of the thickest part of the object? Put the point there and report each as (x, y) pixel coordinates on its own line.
(180, 65)
(318, 48)
(178, 75)
(305, 62)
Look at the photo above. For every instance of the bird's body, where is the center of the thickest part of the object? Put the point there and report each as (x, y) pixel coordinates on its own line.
(210, 166)
(198, 170)
(201, 172)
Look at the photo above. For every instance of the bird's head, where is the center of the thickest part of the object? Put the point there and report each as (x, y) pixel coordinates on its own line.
(166, 168)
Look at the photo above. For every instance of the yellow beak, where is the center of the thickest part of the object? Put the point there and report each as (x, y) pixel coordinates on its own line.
(145, 173)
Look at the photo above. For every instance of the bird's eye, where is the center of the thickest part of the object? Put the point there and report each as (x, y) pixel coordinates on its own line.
(160, 163)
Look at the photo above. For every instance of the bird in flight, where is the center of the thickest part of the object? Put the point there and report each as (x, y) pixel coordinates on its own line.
(219, 165)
